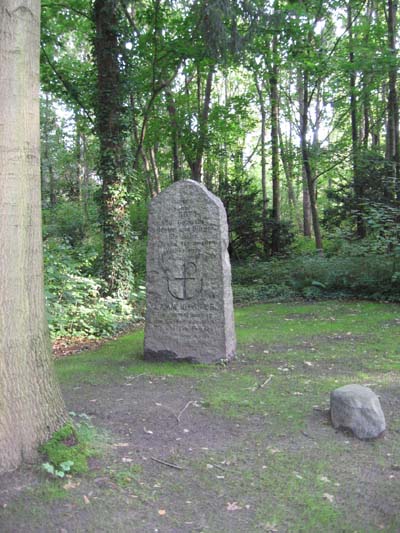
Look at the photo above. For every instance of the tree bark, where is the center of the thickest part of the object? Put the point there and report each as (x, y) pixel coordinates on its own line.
(31, 407)
(306, 196)
(261, 99)
(47, 155)
(196, 165)
(393, 106)
(116, 267)
(357, 179)
(176, 173)
(305, 152)
(274, 98)
(287, 165)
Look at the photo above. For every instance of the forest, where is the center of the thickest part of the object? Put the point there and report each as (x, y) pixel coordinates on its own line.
(287, 110)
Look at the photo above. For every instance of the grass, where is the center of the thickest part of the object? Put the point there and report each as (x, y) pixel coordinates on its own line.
(117, 359)
(279, 464)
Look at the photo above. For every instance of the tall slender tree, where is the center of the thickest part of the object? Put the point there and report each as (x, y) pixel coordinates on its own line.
(117, 270)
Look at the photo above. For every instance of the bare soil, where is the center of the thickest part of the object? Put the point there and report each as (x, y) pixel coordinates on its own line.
(173, 464)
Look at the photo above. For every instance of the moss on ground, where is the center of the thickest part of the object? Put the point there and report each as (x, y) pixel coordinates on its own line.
(74, 445)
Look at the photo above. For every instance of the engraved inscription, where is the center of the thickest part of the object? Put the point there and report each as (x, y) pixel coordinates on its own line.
(187, 284)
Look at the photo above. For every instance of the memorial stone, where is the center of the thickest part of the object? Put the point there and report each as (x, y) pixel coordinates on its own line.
(189, 314)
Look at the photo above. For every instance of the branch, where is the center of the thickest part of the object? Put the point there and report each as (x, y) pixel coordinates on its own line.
(129, 17)
(73, 9)
(330, 168)
(67, 86)
(146, 113)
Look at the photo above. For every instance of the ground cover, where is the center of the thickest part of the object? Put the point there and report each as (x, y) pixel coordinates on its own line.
(243, 447)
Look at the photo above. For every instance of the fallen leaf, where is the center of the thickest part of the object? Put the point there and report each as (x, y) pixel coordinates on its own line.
(273, 450)
(86, 499)
(232, 506)
(162, 512)
(71, 485)
(270, 528)
(324, 479)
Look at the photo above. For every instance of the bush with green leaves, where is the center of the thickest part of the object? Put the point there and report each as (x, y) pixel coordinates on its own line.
(374, 277)
(75, 302)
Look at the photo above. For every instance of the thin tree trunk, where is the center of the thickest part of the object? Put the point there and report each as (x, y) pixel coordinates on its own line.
(288, 170)
(197, 165)
(306, 196)
(30, 399)
(274, 98)
(261, 100)
(147, 173)
(176, 173)
(393, 106)
(307, 165)
(47, 156)
(357, 179)
(156, 174)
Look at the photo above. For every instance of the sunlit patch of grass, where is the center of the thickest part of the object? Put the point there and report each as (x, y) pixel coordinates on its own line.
(120, 358)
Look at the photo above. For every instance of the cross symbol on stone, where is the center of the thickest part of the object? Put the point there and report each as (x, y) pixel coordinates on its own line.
(189, 269)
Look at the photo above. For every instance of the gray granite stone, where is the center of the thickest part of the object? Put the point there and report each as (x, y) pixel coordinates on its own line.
(189, 314)
(357, 408)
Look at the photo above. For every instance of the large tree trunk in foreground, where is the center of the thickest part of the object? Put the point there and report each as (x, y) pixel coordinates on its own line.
(31, 408)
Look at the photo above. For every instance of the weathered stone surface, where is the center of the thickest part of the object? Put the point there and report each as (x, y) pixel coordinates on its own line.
(189, 313)
(357, 408)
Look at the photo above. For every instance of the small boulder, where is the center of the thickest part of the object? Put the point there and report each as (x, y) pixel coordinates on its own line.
(357, 408)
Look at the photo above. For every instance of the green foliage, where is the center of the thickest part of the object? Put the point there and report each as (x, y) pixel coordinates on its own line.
(75, 302)
(65, 452)
(241, 198)
(313, 277)
(63, 468)
(70, 221)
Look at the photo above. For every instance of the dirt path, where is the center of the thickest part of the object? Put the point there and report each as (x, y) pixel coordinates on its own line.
(226, 449)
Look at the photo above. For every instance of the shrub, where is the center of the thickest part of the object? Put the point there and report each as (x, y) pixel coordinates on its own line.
(312, 277)
(75, 304)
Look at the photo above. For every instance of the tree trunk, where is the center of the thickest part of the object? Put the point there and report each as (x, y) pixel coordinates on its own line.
(357, 179)
(260, 90)
(47, 155)
(305, 152)
(154, 167)
(174, 135)
(116, 266)
(274, 97)
(204, 111)
(306, 196)
(287, 165)
(393, 106)
(31, 407)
